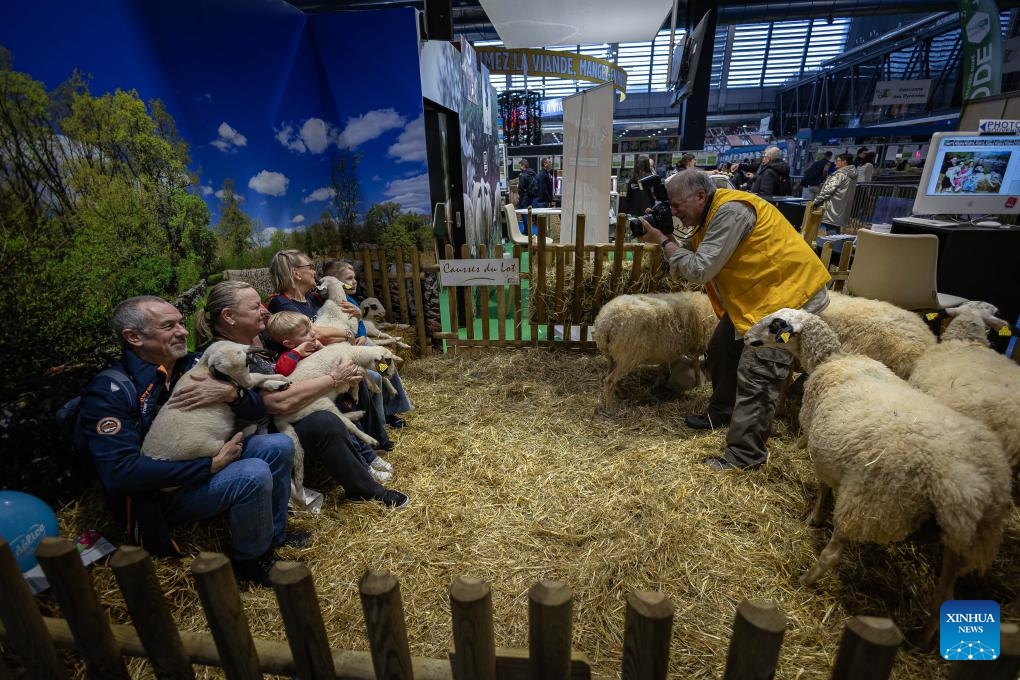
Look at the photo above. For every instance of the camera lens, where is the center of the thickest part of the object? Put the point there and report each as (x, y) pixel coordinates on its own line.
(637, 229)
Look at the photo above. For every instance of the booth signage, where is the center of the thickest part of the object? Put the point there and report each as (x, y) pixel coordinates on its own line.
(551, 64)
(994, 126)
(495, 272)
(889, 92)
(982, 48)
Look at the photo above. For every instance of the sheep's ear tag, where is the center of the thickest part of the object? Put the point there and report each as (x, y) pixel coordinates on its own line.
(781, 329)
(784, 336)
(348, 286)
(382, 367)
(1005, 332)
(931, 316)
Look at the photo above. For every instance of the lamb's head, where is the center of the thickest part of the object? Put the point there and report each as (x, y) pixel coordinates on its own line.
(971, 322)
(372, 310)
(228, 360)
(786, 329)
(332, 288)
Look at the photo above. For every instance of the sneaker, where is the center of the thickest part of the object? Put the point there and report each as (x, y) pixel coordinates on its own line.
(396, 421)
(718, 463)
(394, 499)
(705, 421)
(384, 446)
(296, 539)
(381, 465)
(380, 476)
(256, 570)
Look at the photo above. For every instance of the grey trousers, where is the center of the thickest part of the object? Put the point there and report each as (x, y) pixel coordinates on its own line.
(746, 382)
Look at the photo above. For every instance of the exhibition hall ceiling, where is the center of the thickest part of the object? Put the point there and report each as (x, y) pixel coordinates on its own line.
(534, 23)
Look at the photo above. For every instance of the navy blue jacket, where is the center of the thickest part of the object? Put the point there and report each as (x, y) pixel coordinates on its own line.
(114, 429)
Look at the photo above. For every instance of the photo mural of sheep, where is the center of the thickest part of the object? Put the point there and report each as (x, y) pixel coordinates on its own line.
(896, 458)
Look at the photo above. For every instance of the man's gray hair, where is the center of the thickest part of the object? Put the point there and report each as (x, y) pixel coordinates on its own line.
(687, 182)
(129, 314)
(772, 152)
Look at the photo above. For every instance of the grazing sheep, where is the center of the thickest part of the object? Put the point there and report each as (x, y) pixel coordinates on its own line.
(897, 457)
(964, 373)
(880, 330)
(373, 315)
(631, 330)
(179, 434)
(314, 366)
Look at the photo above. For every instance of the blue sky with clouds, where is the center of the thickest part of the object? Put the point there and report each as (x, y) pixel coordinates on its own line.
(263, 94)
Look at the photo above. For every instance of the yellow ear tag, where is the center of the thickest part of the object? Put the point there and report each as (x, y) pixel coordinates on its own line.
(1005, 332)
(348, 286)
(382, 367)
(784, 336)
(931, 316)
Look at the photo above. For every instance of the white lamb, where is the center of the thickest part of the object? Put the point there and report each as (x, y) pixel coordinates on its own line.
(898, 458)
(963, 372)
(178, 434)
(330, 314)
(314, 366)
(373, 315)
(664, 328)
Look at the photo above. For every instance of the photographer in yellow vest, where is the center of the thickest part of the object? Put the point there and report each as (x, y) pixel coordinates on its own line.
(752, 262)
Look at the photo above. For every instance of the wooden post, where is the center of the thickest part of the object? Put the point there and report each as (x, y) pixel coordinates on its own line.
(419, 303)
(500, 303)
(405, 312)
(516, 293)
(646, 636)
(136, 577)
(601, 258)
(302, 619)
(758, 629)
(451, 301)
(384, 618)
(549, 630)
(27, 634)
(579, 260)
(217, 589)
(538, 284)
(559, 313)
(1006, 667)
(483, 300)
(85, 616)
(474, 644)
(636, 266)
(367, 275)
(867, 649)
(469, 299)
(384, 279)
(621, 226)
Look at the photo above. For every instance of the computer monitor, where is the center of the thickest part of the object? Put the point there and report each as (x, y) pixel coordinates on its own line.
(966, 173)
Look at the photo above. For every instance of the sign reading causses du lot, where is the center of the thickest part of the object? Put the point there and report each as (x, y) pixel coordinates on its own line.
(479, 272)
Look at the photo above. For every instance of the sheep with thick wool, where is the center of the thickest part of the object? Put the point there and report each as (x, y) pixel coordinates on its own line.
(662, 328)
(319, 364)
(963, 372)
(180, 434)
(896, 457)
(331, 314)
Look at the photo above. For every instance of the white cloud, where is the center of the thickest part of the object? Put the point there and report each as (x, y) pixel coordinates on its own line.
(315, 136)
(237, 197)
(229, 140)
(297, 219)
(285, 137)
(410, 194)
(369, 126)
(269, 183)
(410, 145)
(207, 190)
(320, 194)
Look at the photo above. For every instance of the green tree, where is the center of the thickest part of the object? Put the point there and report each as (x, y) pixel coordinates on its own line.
(346, 201)
(234, 228)
(380, 217)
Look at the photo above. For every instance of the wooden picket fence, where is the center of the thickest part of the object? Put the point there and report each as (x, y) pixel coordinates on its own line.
(867, 649)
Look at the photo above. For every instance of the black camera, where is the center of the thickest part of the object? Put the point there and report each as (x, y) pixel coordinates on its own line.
(661, 217)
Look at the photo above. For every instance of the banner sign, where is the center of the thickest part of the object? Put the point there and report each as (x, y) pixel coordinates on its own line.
(889, 92)
(982, 48)
(997, 126)
(552, 64)
(494, 272)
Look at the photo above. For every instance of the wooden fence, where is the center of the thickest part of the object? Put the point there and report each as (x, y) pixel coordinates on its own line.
(867, 649)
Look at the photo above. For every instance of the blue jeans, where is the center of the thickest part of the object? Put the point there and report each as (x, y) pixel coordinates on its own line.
(253, 490)
(384, 403)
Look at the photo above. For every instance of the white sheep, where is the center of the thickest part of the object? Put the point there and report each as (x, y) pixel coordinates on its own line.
(179, 434)
(663, 328)
(880, 330)
(319, 364)
(373, 315)
(330, 314)
(897, 457)
(963, 372)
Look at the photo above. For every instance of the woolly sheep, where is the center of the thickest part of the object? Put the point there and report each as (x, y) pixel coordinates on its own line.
(330, 314)
(963, 372)
(179, 434)
(896, 456)
(314, 366)
(373, 315)
(880, 330)
(631, 330)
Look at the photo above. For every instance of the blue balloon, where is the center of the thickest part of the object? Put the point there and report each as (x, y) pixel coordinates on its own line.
(24, 521)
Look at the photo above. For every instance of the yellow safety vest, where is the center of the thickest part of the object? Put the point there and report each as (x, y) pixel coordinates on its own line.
(772, 268)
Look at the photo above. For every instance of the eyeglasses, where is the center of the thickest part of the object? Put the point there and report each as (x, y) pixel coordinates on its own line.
(299, 266)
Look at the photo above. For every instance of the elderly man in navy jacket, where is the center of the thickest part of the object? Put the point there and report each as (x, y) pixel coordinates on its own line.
(248, 479)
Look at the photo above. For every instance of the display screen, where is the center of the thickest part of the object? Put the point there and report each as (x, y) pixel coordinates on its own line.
(967, 173)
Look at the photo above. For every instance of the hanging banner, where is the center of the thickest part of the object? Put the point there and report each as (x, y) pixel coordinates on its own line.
(982, 48)
(890, 92)
(538, 63)
(587, 158)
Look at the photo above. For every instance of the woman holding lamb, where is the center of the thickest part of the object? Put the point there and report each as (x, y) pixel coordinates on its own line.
(233, 311)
